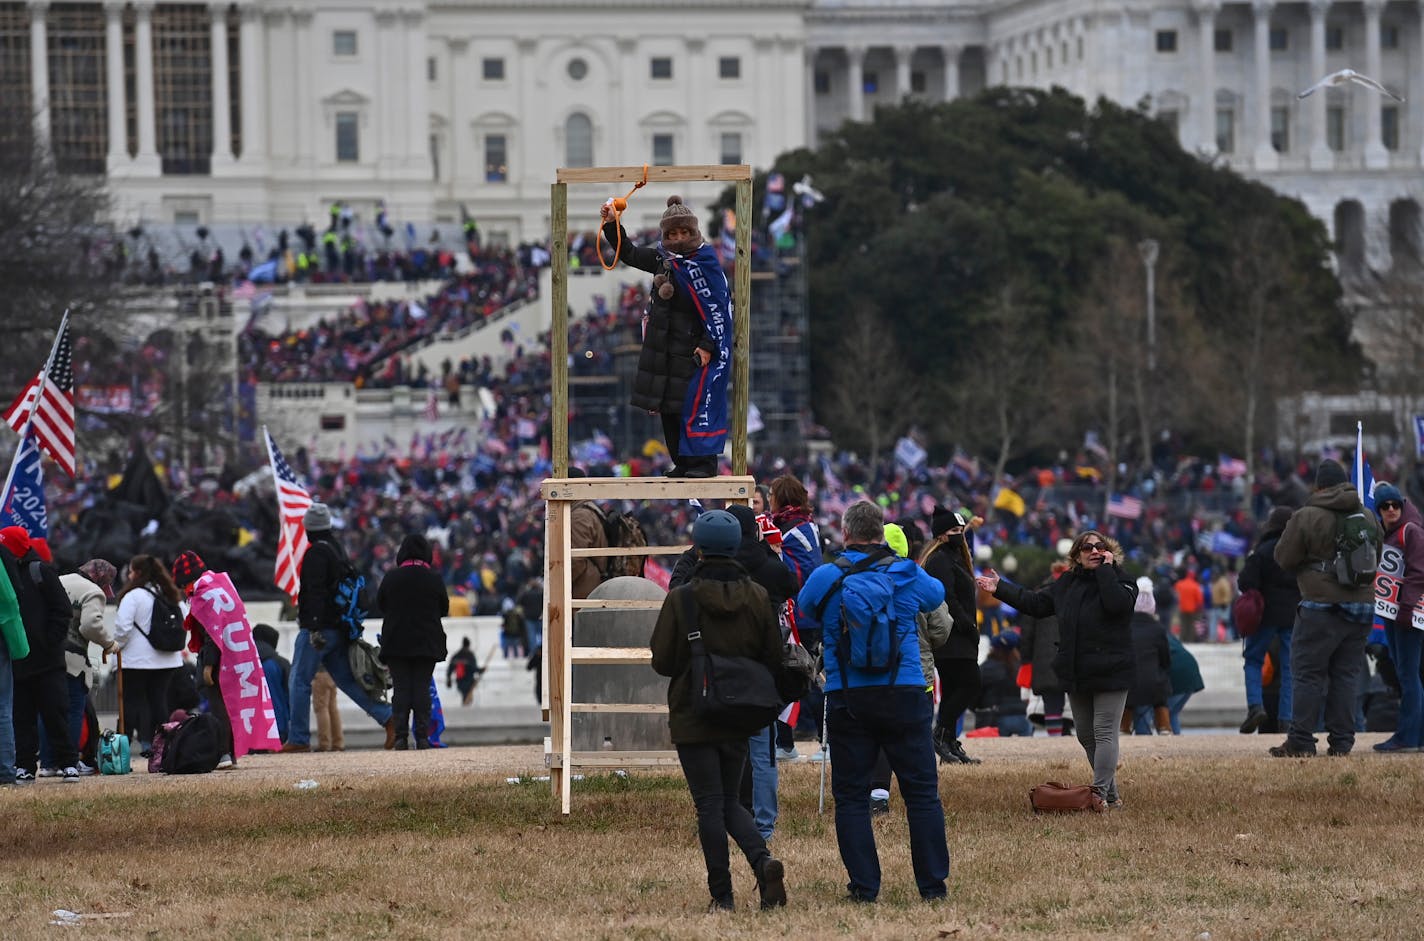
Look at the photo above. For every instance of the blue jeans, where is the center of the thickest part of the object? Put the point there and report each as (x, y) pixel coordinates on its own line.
(861, 722)
(1175, 702)
(1253, 651)
(305, 660)
(1015, 725)
(78, 695)
(533, 634)
(1405, 647)
(7, 717)
(764, 779)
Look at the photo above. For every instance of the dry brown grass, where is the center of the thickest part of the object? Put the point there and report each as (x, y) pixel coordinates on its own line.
(1215, 838)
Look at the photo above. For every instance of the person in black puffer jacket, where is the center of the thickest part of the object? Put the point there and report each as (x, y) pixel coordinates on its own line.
(1094, 601)
(1282, 595)
(1038, 644)
(736, 620)
(413, 599)
(1152, 684)
(947, 558)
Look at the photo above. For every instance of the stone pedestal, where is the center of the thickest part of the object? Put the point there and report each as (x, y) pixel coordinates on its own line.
(619, 683)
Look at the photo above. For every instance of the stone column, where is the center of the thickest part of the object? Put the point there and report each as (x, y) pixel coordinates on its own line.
(306, 119)
(222, 100)
(1266, 157)
(417, 107)
(387, 117)
(148, 162)
(114, 66)
(1417, 94)
(39, 70)
(951, 71)
(1320, 156)
(1376, 157)
(810, 53)
(457, 177)
(1206, 78)
(855, 81)
(697, 137)
(254, 90)
(903, 55)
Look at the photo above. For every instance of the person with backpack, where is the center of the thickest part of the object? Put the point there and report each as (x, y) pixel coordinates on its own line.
(865, 605)
(511, 631)
(323, 636)
(947, 558)
(414, 600)
(1094, 602)
(720, 613)
(1281, 595)
(1398, 588)
(148, 631)
(40, 693)
(463, 672)
(1332, 545)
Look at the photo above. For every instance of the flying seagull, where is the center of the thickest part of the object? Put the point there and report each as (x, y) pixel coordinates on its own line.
(1348, 75)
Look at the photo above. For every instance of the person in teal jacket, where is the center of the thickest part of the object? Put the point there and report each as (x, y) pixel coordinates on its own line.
(868, 711)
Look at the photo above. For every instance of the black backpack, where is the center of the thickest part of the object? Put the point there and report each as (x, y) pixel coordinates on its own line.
(165, 629)
(621, 531)
(192, 748)
(737, 693)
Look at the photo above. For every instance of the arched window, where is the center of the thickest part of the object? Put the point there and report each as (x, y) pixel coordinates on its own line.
(578, 141)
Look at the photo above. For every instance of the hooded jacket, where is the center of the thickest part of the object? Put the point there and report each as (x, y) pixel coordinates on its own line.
(1152, 682)
(1407, 538)
(735, 618)
(1275, 584)
(1094, 608)
(44, 609)
(1309, 539)
(86, 622)
(413, 599)
(321, 570)
(916, 592)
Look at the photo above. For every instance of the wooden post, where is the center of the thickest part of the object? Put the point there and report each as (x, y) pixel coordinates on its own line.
(741, 327)
(558, 638)
(559, 332)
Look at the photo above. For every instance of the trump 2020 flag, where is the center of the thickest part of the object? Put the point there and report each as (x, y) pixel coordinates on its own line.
(1360, 475)
(24, 504)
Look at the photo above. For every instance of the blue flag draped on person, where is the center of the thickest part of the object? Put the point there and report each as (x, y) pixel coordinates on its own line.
(704, 426)
(24, 504)
(1360, 475)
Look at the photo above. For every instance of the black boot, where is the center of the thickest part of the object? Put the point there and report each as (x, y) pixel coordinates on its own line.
(1255, 718)
(402, 743)
(422, 744)
(958, 751)
(771, 883)
(943, 749)
(722, 904)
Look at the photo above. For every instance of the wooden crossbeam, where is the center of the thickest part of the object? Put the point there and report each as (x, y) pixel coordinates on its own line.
(618, 759)
(631, 550)
(623, 708)
(630, 604)
(610, 655)
(648, 488)
(716, 173)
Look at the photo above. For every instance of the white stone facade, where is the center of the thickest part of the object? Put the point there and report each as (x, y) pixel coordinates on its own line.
(430, 105)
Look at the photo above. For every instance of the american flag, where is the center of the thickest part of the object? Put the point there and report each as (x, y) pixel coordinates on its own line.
(292, 503)
(1124, 507)
(54, 417)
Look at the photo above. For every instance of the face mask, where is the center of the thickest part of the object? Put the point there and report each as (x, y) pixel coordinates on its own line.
(954, 542)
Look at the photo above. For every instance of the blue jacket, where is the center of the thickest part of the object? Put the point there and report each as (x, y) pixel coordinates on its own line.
(801, 550)
(916, 591)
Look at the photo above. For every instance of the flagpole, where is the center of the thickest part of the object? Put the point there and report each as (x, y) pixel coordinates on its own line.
(34, 407)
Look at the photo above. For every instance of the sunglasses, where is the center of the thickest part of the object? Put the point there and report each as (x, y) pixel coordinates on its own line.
(1094, 547)
(1391, 505)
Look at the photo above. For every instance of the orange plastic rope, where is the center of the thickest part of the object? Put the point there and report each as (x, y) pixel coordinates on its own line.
(620, 203)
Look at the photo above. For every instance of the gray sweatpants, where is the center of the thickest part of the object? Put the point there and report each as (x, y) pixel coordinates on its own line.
(1096, 719)
(1327, 658)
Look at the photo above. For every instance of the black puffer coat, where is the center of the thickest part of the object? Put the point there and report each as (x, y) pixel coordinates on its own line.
(1038, 642)
(45, 611)
(959, 592)
(321, 571)
(1152, 685)
(1094, 608)
(1276, 585)
(413, 599)
(665, 365)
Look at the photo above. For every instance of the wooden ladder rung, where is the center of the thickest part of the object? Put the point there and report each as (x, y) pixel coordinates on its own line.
(612, 604)
(629, 708)
(617, 759)
(610, 655)
(603, 551)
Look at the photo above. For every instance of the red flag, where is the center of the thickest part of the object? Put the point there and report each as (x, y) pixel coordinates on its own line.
(292, 503)
(53, 389)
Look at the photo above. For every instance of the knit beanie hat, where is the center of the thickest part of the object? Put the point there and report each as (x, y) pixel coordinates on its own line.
(1278, 519)
(102, 573)
(942, 521)
(187, 569)
(317, 518)
(16, 540)
(895, 538)
(1146, 600)
(41, 546)
(1005, 640)
(678, 214)
(1386, 492)
(747, 518)
(1329, 474)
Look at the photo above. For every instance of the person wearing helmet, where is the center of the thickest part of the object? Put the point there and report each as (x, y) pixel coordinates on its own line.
(736, 619)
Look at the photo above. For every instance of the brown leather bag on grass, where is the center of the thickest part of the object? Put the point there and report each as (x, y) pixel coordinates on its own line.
(1055, 798)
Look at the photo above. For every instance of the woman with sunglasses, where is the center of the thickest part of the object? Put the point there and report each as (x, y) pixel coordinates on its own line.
(1093, 602)
(1399, 583)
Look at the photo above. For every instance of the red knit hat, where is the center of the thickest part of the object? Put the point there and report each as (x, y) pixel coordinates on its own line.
(188, 568)
(16, 540)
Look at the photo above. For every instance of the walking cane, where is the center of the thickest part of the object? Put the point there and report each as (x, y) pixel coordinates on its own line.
(119, 672)
(825, 756)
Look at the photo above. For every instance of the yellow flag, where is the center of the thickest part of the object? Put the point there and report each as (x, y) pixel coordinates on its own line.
(1008, 499)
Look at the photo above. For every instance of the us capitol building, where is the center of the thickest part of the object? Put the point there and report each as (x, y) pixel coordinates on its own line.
(265, 112)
